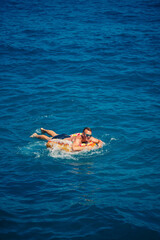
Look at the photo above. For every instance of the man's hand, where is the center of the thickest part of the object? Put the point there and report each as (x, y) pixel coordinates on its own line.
(100, 144)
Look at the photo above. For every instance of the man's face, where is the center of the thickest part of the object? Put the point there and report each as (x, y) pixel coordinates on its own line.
(87, 134)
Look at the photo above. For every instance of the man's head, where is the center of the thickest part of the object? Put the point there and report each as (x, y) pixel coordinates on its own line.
(87, 132)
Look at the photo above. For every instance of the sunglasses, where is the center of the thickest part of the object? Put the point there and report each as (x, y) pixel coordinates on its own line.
(88, 135)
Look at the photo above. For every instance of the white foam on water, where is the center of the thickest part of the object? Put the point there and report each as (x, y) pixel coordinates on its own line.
(35, 149)
(55, 152)
(113, 139)
(38, 131)
(38, 149)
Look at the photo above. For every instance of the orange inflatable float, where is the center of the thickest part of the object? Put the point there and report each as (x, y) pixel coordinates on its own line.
(66, 145)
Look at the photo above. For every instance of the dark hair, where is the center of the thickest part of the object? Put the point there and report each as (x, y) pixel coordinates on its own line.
(87, 128)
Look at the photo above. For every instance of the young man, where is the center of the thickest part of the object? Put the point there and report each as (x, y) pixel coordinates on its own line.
(77, 139)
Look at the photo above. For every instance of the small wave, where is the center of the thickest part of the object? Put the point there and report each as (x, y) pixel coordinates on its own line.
(113, 139)
(35, 149)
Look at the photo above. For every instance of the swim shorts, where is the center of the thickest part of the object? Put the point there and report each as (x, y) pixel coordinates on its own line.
(61, 136)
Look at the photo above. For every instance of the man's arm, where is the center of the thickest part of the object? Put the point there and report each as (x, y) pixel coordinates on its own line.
(95, 140)
(76, 146)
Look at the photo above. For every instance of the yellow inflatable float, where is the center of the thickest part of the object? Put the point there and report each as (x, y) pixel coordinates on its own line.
(66, 145)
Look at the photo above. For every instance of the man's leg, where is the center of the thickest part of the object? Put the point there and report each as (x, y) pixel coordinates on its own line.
(43, 137)
(49, 132)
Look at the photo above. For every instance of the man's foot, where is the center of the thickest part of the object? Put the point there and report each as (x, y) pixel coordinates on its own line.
(43, 130)
(34, 135)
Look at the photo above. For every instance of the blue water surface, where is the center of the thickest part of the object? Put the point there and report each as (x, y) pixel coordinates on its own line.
(66, 65)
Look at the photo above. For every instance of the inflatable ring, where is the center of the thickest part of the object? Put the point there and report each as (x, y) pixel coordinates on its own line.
(66, 145)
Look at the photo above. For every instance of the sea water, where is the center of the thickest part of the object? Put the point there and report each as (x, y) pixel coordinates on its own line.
(66, 65)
